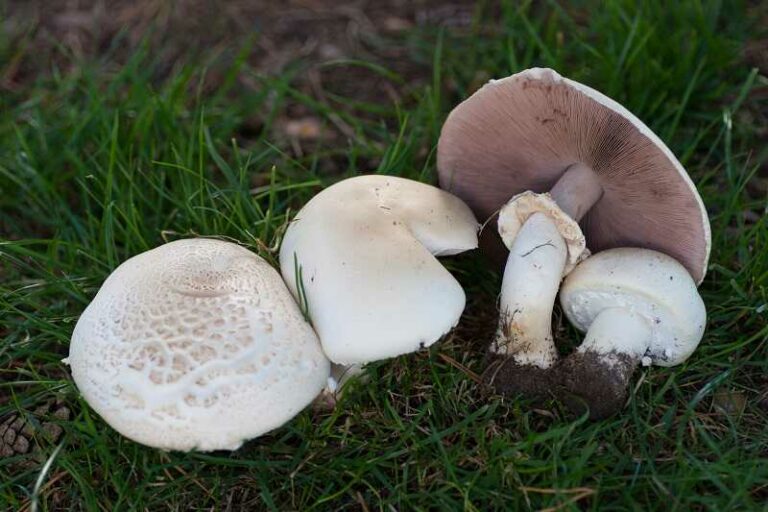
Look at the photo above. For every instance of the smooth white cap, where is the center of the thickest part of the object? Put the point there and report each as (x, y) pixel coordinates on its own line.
(196, 344)
(644, 282)
(366, 250)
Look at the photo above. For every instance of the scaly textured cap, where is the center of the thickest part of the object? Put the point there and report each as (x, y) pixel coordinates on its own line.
(196, 344)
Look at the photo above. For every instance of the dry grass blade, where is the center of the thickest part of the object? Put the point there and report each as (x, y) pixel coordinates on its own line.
(579, 493)
(469, 373)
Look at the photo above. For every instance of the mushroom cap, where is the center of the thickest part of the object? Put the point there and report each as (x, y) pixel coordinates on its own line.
(196, 344)
(366, 250)
(645, 282)
(522, 132)
(514, 214)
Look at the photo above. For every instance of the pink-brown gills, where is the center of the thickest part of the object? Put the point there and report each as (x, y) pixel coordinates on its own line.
(522, 133)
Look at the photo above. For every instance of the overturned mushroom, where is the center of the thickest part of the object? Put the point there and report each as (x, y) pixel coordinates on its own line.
(361, 258)
(569, 158)
(196, 344)
(635, 305)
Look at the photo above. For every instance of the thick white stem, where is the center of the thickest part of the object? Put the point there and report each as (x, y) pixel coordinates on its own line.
(577, 190)
(618, 331)
(531, 280)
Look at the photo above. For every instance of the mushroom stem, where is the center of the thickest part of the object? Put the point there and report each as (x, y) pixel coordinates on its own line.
(531, 279)
(596, 376)
(577, 190)
(535, 266)
(617, 331)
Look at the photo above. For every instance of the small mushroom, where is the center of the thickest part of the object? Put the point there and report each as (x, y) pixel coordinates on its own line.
(636, 305)
(560, 157)
(196, 345)
(360, 257)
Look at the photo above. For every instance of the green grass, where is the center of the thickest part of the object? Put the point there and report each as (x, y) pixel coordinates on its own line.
(100, 163)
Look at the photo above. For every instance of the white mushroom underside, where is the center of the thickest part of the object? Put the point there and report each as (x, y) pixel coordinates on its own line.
(196, 345)
(617, 331)
(645, 283)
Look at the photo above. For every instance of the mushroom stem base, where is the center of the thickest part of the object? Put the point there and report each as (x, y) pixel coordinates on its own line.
(510, 378)
(588, 382)
(596, 376)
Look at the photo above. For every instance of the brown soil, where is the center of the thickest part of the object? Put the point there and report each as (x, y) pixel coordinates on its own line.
(507, 377)
(586, 381)
(65, 34)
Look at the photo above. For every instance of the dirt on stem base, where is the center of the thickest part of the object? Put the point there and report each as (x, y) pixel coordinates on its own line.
(510, 378)
(595, 382)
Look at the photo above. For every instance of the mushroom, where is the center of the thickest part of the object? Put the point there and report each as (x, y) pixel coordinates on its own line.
(196, 345)
(569, 158)
(360, 257)
(636, 305)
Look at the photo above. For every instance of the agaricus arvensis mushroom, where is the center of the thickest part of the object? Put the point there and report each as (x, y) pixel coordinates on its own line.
(559, 153)
(360, 257)
(636, 305)
(196, 344)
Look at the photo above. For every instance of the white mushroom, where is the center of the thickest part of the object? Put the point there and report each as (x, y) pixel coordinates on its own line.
(566, 154)
(360, 257)
(635, 305)
(196, 344)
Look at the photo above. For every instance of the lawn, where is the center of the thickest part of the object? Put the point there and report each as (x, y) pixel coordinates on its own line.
(109, 153)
